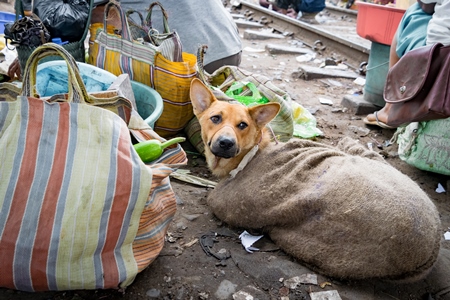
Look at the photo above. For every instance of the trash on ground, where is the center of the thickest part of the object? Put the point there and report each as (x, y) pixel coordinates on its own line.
(293, 282)
(326, 101)
(328, 295)
(447, 236)
(305, 124)
(183, 175)
(440, 189)
(248, 240)
(360, 81)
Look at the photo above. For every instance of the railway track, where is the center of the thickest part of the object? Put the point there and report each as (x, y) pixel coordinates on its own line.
(336, 31)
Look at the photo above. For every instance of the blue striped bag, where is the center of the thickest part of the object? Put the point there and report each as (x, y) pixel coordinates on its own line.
(78, 208)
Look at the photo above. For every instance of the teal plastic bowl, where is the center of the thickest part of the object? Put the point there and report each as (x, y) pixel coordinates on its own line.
(51, 79)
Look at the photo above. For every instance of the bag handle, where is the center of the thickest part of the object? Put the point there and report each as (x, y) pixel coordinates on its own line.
(77, 90)
(113, 4)
(132, 11)
(148, 20)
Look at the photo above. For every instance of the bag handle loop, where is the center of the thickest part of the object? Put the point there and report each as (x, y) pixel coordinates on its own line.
(165, 18)
(77, 90)
(113, 4)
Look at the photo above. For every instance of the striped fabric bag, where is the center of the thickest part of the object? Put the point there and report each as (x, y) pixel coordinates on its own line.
(154, 66)
(78, 208)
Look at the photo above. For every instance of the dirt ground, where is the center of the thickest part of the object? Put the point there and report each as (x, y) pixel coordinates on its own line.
(184, 271)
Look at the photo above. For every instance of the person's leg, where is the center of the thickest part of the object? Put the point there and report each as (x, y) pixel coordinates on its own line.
(382, 114)
(233, 60)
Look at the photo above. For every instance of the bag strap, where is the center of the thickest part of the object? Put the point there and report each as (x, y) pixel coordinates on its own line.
(132, 11)
(77, 89)
(113, 4)
(148, 20)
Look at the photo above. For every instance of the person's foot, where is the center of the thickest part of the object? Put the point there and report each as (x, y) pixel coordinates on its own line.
(378, 118)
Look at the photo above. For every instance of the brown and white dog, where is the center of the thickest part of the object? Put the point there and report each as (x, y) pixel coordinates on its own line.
(341, 210)
(229, 131)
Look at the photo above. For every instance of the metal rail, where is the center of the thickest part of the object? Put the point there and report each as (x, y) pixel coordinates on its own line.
(353, 52)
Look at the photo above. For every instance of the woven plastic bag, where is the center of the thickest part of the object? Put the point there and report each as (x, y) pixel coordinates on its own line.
(425, 145)
(154, 66)
(78, 208)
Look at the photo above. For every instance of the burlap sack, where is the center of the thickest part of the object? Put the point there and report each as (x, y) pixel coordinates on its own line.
(342, 211)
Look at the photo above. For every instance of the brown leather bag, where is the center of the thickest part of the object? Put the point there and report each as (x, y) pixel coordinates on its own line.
(418, 86)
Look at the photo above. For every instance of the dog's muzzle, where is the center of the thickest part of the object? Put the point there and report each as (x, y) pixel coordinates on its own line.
(224, 147)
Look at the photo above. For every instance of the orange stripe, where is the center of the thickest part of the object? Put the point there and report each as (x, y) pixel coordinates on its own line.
(21, 192)
(119, 206)
(45, 225)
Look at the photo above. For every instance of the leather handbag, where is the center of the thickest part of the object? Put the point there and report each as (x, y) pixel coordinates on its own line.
(417, 86)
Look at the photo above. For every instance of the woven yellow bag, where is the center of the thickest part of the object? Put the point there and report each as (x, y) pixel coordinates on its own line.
(149, 64)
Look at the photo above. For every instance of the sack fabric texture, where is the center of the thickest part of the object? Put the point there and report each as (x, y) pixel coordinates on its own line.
(153, 65)
(341, 210)
(425, 145)
(417, 86)
(78, 208)
(75, 48)
(223, 78)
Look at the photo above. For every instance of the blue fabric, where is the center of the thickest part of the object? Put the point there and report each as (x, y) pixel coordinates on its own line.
(311, 6)
(307, 6)
(412, 30)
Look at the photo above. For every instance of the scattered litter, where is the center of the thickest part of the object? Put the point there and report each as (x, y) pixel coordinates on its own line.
(440, 189)
(293, 282)
(324, 284)
(360, 81)
(191, 243)
(447, 236)
(370, 146)
(304, 58)
(328, 295)
(326, 101)
(183, 175)
(255, 50)
(248, 240)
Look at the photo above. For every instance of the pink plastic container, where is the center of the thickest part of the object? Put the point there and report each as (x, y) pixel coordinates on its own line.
(377, 23)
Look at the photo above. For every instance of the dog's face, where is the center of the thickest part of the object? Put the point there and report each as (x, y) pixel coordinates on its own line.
(229, 131)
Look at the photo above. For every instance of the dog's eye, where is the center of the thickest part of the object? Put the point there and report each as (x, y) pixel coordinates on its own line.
(216, 119)
(242, 125)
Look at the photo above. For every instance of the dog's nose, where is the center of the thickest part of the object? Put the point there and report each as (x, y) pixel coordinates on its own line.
(226, 143)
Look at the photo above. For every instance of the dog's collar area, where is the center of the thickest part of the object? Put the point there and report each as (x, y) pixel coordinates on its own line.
(245, 160)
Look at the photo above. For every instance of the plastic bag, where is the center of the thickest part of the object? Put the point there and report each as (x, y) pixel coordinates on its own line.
(65, 19)
(304, 122)
(238, 91)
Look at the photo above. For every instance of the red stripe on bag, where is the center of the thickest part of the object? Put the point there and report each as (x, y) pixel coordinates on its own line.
(119, 207)
(45, 225)
(21, 192)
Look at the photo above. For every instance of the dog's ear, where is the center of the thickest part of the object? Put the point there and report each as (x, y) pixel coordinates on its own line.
(201, 96)
(263, 114)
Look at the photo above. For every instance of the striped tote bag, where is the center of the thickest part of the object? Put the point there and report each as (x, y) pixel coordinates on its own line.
(147, 64)
(78, 208)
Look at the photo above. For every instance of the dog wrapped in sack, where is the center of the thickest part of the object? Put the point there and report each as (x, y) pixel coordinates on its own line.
(343, 211)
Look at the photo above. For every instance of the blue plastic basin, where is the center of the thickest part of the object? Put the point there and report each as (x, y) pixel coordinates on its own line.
(52, 79)
(6, 17)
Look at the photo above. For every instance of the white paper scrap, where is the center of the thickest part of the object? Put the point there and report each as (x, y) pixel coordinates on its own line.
(440, 189)
(248, 240)
(447, 236)
(326, 101)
